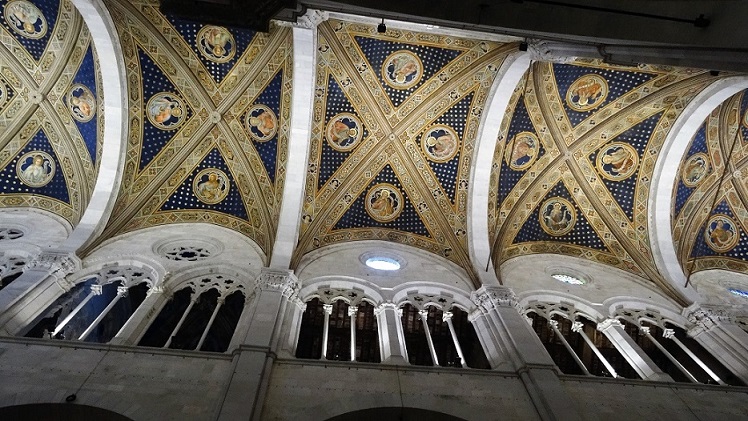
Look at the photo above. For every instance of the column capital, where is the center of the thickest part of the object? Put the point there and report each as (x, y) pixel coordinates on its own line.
(447, 315)
(283, 281)
(352, 310)
(668, 333)
(577, 326)
(327, 308)
(490, 297)
(97, 289)
(384, 306)
(424, 314)
(705, 318)
(553, 324)
(608, 323)
(122, 290)
(58, 264)
(308, 20)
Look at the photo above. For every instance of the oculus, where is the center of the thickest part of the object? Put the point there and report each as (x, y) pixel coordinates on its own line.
(617, 161)
(35, 169)
(522, 151)
(695, 169)
(440, 143)
(165, 110)
(402, 69)
(187, 253)
(25, 19)
(7, 233)
(721, 233)
(587, 92)
(567, 279)
(739, 292)
(382, 263)
(557, 216)
(261, 123)
(384, 202)
(216, 43)
(343, 132)
(81, 103)
(211, 186)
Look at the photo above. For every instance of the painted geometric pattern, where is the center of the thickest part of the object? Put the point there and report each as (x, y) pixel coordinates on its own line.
(395, 120)
(599, 129)
(703, 237)
(51, 108)
(26, 25)
(209, 121)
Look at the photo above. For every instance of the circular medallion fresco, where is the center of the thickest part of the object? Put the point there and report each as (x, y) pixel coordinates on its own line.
(216, 43)
(261, 123)
(721, 233)
(587, 92)
(165, 110)
(440, 143)
(557, 216)
(211, 185)
(617, 161)
(3, 93)
(402, 69)
(695, 169)
(35, 168)
(522, 151)
(384, 202)
(745, 119)
(344, 132)
(25, 19)
(81, 103)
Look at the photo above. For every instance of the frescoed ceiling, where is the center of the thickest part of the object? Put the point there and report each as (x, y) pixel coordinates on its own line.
(575, 159)
(50, 108)
(209, 112)
(394, 125)
(711, 197)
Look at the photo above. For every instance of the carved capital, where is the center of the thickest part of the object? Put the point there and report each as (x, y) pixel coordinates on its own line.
(97, 289)
(554, 52)
(553, 324)
(706, 318)
(308, 20)
(122, 291)
(577, 327)
(447, 315)
(424, 314)
(668, 333)
(352, 310)
(608, 323)
(155, 290)
(57, 264)
(488, 298)
(327, 308)
(276, 280)
(384, 306)
(644, 329)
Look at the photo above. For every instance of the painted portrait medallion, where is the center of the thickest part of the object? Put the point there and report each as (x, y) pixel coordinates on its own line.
(440, 143)
(261, 123)
(216, 43)
(617, 161)
(35, 169)
(695, 170)
(745, 119)
(402, 69)
(587, 92)
(3, 94)
(522, 151)
(165, 110)
(211, 186)
(81, 103)
(721, 233)
(557, 216)
(25, 19)
(343, 132)
(384, 202)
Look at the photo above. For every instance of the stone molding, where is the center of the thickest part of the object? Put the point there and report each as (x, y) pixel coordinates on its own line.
(608, 323)
(491, 297)
(308, 20)
(58, 265)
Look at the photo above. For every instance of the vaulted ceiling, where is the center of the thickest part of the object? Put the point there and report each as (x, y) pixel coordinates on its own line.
(395, 122)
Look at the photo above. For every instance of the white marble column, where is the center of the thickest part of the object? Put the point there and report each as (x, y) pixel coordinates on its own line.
(424, 316)
(631, 351)
(508, 329)
(447, 317)
(43, 280)
(121, 292)
(326, 329)
(578, 327)
(352, 313)
(554, 326)
(645, 330)
(391, 339)
(140, 320)
(716, 331)
(670, 334)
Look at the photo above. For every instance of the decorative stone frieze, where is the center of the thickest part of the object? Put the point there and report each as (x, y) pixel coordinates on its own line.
(58, 264)
(488, 298)
(275, 280)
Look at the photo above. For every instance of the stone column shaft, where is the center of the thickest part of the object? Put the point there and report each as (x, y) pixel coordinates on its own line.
(391, 339)
(424, 315)
(715, 330)
(631, 351)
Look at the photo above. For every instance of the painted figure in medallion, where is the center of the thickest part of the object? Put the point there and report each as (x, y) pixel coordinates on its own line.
(35, 169)
(216, 43)
(440, 143)
(165, 110)
(695, 169)
(557, 216)
(721, 233)
(617, 161)
(384, 202)
(343, 132)
(261, 123)
(211, 185)
(25, 19)
(587, 92)
(523, 151)
(402, 69)
(81, 103)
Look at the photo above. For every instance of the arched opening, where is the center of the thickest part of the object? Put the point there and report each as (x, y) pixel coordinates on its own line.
(59, 412)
